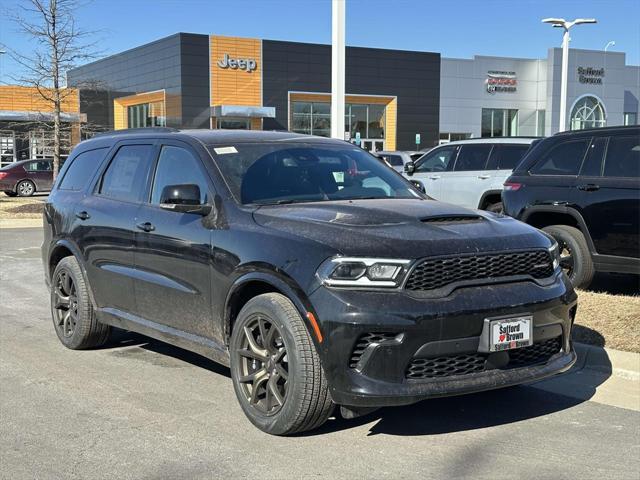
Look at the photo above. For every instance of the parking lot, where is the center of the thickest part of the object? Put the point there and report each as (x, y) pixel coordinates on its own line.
(141, 409)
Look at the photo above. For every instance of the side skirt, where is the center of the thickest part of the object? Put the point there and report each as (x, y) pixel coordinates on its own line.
(203, 346)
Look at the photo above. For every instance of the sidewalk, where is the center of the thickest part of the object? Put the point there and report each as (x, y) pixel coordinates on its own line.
(20, 223)
(602, 375)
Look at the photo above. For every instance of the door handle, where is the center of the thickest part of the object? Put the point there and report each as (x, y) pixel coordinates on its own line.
(83, 215)
(146, 227)
(434, 177)
(484, 177)
(589, 187)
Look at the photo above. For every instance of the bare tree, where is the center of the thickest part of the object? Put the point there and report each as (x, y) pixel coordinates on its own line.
(58, 47)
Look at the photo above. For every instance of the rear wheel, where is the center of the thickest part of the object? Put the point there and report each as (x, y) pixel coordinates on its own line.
(494, 207)
(275, 368)
(73, 316)
(25, 188)
(575, 258)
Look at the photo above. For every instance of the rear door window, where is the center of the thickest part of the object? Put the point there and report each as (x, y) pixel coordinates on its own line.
(81, 169)
(563, 159)
(623, 157)
(126, 175)
(507, 157)
(472, 157)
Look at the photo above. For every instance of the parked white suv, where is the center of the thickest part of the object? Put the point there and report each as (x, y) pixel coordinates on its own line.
(470, 173)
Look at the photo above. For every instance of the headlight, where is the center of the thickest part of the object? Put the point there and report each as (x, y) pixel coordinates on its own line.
(363, 272)
(554, 251)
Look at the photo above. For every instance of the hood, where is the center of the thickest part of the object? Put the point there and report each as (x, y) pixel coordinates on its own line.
(399, 228)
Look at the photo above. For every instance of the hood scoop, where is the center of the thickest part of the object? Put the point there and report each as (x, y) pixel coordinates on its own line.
(449, 219)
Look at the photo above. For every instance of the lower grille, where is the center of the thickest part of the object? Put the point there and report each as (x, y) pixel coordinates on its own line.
(364, 341)
(464, 364)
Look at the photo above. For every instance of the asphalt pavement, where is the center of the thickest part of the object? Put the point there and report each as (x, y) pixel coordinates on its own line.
(141, 409)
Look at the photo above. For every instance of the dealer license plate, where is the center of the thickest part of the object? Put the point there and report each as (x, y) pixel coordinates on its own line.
(510, 333)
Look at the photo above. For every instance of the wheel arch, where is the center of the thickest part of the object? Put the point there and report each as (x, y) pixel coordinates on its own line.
(65, 248)
(35, 186)
(547, 215)
(484, 203)
(255, 283)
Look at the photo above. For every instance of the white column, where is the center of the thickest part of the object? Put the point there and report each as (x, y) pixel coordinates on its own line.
(564, 80)
(337, 67)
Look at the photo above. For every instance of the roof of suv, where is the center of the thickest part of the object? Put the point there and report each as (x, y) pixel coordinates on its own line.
(601, 130)
(523, 140)
(208, 136)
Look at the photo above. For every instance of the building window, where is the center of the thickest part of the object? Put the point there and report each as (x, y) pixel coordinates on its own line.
(540, 123)
(498, 122)
(630, 118)
(146, 115)
(314, 118)
(41, 143)
(587, 112)
(233, 123)
(453, 137)
(7, 147)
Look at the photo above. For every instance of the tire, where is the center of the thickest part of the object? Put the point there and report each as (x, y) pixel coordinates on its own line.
(495, 207)
(576, 261)
(306, 403)
(10, 193)
(25, 188)
(72, 312)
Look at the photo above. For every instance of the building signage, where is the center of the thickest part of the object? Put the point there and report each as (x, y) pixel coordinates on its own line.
(590, 75)
(501, 82)
(248, 64)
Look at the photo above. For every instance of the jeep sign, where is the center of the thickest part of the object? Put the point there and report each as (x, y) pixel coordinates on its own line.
(248, 64)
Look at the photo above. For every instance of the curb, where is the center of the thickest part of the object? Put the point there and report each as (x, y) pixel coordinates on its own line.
(609, 361)
(20, 223)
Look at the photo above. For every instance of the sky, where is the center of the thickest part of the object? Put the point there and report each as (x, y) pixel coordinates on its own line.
(455, 28)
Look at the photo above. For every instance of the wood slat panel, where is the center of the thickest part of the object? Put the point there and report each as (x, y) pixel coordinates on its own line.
(27, 99)
(235, 87)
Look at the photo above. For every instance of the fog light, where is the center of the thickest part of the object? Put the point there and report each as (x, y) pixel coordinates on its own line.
(380, 271)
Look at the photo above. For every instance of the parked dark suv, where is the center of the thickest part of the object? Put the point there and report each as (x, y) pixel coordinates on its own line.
(583, 188)
(318, 274)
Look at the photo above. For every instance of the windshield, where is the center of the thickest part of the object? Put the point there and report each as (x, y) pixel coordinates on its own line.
(277, 173)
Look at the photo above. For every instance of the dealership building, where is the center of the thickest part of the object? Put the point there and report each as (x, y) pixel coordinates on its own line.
(393, 97)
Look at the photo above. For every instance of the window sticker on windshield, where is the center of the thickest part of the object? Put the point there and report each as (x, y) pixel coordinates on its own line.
(339, 177)
(225, 150)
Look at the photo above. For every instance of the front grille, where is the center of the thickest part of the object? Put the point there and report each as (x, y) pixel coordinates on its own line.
(464, 364)
(433, 273)
(364, 341)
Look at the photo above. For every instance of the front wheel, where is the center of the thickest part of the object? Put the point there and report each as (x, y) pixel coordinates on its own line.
(275, 368)
(10, 193)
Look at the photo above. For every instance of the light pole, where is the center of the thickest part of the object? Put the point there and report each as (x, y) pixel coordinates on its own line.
(337, 68)
(562, 23)
(612, 43)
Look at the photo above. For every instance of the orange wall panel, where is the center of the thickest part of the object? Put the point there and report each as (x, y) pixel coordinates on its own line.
(235, 86)
(28, 99)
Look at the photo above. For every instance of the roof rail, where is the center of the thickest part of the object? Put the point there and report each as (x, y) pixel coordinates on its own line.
(129, 131)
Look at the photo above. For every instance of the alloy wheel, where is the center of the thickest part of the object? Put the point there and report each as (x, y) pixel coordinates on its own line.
(65, 303)
(566, 258)
(263, 366)
(25, 188)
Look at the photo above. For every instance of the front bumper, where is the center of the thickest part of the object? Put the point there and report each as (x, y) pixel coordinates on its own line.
(422, 328)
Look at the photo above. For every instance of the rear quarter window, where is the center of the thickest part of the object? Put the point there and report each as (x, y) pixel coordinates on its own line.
(81, 169)
(623, 157)
(507, 157)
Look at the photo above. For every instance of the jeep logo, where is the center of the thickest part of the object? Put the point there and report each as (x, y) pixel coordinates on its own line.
(248, 64)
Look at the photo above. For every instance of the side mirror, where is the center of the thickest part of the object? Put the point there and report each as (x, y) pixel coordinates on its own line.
(409, 168)
(184, 199)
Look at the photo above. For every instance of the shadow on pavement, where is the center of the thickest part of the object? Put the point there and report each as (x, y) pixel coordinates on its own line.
(429, 417)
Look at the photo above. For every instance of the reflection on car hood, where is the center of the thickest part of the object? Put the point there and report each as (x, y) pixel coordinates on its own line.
(403, 228)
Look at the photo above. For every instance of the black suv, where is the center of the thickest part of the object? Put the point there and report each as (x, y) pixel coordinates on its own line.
(319, 275)
(583, 188)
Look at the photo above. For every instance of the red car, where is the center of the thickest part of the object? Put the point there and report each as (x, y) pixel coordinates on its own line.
(26, 177)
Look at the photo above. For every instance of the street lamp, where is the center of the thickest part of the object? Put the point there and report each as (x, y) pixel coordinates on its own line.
(562, 23)
(612, 43)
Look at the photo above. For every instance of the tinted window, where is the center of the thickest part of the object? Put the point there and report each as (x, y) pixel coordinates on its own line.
(472, 157)
(82, 168)
(437, 160)
(177, 166)
(394, 160)
(127, 173)
(507, 157)
(280, 172)
(593, 161)
(623, 157)
(38, 166)
(563, 159)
